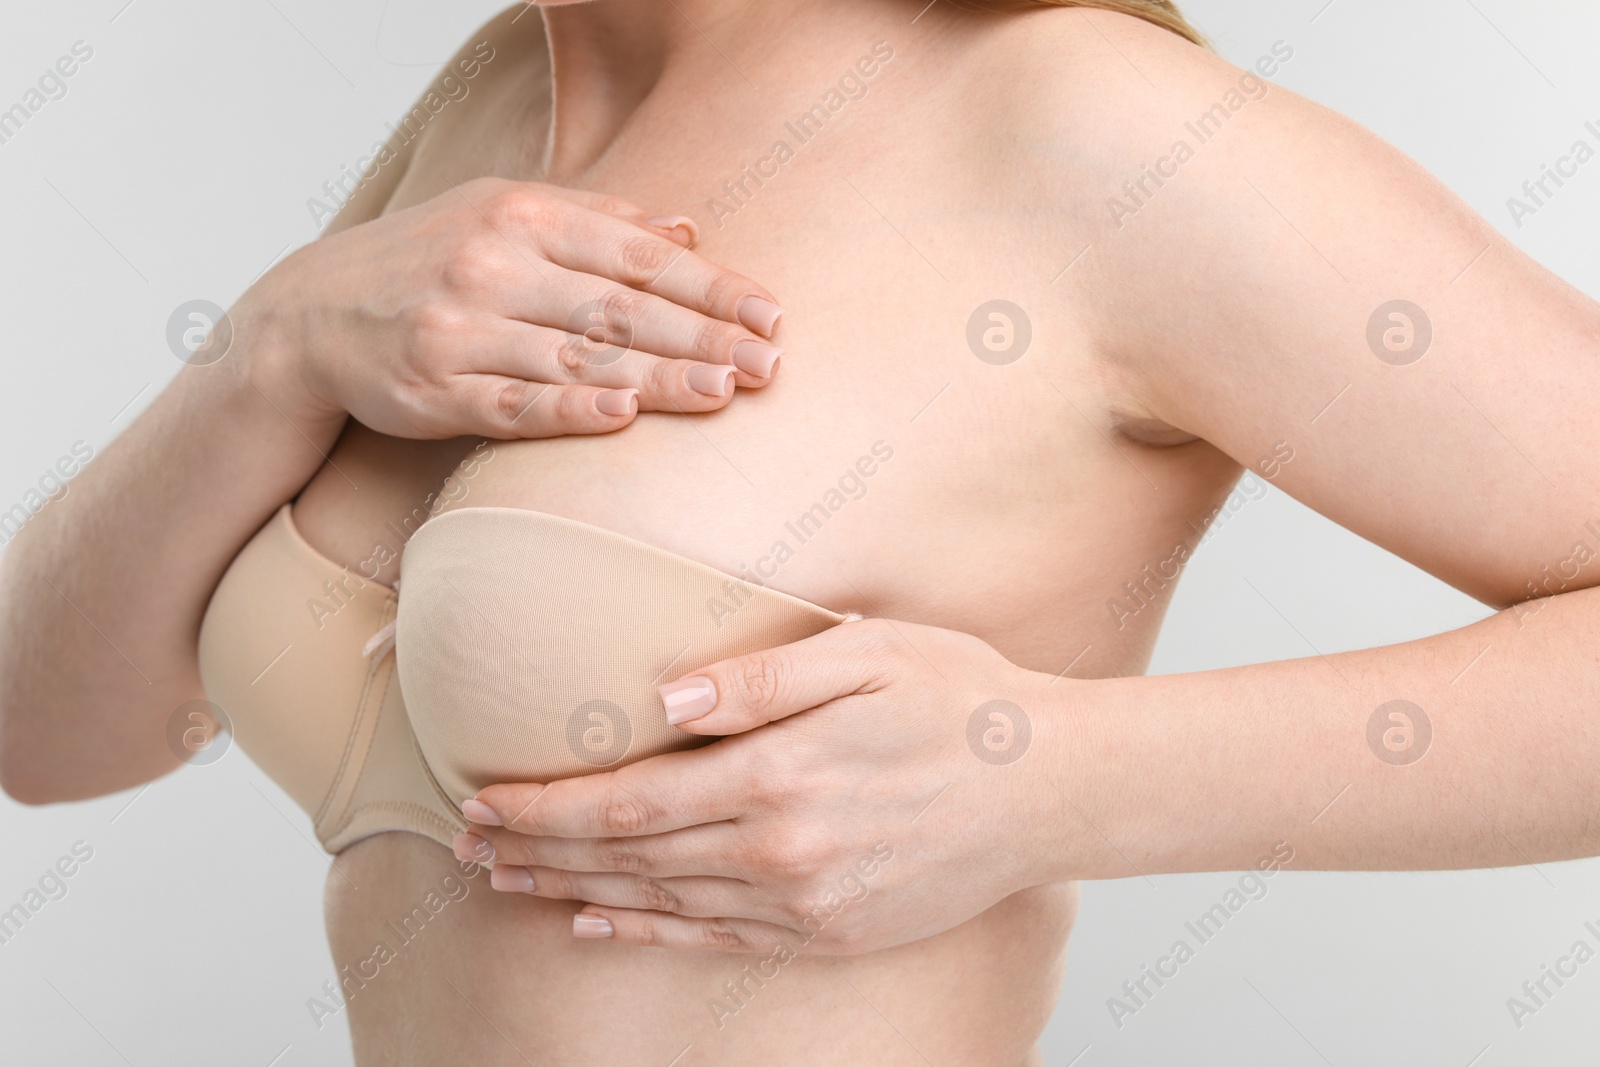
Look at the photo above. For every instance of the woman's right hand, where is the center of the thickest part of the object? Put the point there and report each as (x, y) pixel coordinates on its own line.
(507, 310)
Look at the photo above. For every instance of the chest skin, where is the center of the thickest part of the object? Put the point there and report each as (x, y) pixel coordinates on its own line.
(1001, 500)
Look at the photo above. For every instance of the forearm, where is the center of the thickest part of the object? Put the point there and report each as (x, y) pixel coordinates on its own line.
(102, 593)
(1207, 771)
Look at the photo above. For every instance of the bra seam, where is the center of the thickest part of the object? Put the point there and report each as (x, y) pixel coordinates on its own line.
(402, 807)
(362, 706)
(427, 769)
(355, 810)
(388, 591)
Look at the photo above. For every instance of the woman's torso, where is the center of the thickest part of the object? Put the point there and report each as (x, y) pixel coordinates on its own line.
(1004, 501)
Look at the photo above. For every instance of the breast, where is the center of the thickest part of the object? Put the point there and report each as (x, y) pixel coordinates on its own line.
(526, 648)
(530, 646)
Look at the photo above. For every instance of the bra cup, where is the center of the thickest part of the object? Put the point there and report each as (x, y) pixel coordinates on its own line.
(529, 647)
(284, 630)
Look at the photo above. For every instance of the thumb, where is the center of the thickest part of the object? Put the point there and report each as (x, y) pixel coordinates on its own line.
(739, 694)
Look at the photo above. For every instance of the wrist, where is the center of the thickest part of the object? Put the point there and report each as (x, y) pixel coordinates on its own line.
(272, 352)
(1081, 784)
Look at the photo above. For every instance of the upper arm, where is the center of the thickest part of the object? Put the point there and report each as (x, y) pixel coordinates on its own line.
(1253, 296)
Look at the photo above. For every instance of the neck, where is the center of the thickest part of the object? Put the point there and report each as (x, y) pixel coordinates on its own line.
(609, 56)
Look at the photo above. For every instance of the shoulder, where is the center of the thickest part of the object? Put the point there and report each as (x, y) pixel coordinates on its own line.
(507, 49)
(1073, 114)
(1101, 87)
(1078, 112)
(497, 50)
(1212, 204)
(1124, 121)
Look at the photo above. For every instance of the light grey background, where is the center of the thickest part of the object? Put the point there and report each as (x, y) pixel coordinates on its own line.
(178, 166)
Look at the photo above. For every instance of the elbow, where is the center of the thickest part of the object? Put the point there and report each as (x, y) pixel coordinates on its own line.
(62, 742)
(25, 778)
(29, 773)
(36, 783)
(26, 788)
(20, 773)
(55, 769)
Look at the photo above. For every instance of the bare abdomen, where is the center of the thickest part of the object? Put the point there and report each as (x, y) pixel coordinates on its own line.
(442, 968)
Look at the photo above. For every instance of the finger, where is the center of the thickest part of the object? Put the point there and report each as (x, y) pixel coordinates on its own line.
(506, 409)
(604, 322)
(736, 695)
(654, 796)
(661, 930)
(678, 228)
(540, 354)
(697, 850)
(704, 898)
(614, 319)
(606, 247)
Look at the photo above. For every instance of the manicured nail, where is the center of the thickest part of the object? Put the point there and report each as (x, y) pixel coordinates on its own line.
(708, 380)
(676, 222)
(688, 699)
(477, 811)
(759, 315)
(591, 926)
(616, 401)
(472, 848)
(756, 358)
(511, 879)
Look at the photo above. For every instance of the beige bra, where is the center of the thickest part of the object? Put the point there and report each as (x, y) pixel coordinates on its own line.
(523, 647)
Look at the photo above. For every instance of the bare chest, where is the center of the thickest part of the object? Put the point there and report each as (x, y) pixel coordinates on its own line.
(938, 420)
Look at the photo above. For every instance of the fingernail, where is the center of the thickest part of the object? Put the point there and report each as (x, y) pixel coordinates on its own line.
(756, 358)
(511, 879)
(616, 401)
(688, 699)
(472, 848)
(591, 926)
(759, 315)
(676, 222)
(708, 380)
(477, 811)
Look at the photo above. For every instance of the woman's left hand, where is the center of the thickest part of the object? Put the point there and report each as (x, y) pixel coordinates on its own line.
(884, 782)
